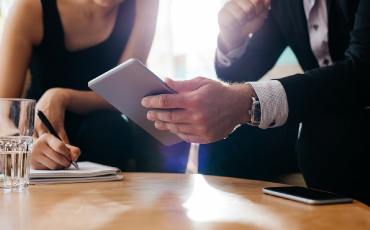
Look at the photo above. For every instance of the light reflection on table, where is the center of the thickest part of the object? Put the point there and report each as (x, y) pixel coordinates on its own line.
(208, 204)
(170, 201)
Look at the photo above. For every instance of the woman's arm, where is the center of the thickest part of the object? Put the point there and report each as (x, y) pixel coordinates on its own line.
(77, 101)
(23, 29)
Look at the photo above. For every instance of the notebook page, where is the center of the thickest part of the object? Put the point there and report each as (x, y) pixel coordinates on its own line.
(87, 169)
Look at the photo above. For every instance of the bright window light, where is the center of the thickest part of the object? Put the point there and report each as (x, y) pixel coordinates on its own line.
(186, 39)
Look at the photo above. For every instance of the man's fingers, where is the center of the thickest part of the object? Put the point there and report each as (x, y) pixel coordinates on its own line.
(267, 4)
(175, 127)
(248, 9)
(181, 131)
(190, 138)
(264, 15)
(75, 152)
(174, 101)
(259, 6)
(172, 115)
(238, 14)
(164, 101)
(226, 19)
(187, 85)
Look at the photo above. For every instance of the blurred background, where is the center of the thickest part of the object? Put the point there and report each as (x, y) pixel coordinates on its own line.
(185, 41)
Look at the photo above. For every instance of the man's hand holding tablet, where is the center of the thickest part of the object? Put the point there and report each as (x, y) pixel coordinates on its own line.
(203, 111)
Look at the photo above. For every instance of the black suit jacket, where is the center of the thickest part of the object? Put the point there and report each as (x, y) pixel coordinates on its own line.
(319, 92)
(333, 147)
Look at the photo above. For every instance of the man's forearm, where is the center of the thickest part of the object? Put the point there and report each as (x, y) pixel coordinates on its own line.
(243, 102)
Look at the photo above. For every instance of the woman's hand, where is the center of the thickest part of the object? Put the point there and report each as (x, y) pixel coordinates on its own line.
(53, 104)
(49, 152)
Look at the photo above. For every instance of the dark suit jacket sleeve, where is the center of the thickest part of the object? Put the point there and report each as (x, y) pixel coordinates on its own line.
(339, 88)
(262, 52)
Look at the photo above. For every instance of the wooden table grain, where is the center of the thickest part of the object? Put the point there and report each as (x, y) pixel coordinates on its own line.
(170, 201)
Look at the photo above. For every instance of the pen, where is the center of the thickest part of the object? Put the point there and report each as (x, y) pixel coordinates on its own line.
(51, 129)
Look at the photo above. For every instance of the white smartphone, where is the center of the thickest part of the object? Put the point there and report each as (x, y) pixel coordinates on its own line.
(125, 85)
(306, 195)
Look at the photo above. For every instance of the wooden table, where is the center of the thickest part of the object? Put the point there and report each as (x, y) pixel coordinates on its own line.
(170, 201)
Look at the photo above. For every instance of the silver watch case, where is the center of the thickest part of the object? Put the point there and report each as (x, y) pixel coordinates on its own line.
(255, 112)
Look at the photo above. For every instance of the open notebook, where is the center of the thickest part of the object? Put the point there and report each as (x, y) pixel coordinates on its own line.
(89, 172)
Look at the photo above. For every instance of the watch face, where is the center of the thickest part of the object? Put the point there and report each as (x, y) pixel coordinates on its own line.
(257, 112)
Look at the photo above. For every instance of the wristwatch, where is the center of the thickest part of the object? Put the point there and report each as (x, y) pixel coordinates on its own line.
(255, 112)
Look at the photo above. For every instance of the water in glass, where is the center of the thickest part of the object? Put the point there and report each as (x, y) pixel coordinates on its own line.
(16, 138)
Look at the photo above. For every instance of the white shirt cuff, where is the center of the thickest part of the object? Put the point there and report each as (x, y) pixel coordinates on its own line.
(274, 103)
(225, 60)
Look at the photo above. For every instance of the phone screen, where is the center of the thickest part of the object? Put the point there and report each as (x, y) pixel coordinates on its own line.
(305, 193)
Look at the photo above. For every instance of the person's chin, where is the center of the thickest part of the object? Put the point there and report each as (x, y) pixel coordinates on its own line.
(107, 3)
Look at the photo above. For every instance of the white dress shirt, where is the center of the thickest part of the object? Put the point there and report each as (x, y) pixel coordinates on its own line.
(272, 96)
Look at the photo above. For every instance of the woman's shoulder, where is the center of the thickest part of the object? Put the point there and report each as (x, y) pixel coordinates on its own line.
(27, 9)
(25, 16)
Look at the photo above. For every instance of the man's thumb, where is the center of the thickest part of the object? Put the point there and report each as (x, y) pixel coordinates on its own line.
(183, 86)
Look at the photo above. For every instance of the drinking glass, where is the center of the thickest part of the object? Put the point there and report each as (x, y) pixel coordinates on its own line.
(16, 138)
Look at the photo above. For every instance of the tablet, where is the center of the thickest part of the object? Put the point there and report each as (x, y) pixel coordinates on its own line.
(124, 86)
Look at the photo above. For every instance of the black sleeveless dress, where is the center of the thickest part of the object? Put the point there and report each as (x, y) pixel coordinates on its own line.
(103, 136)
(52, 65)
